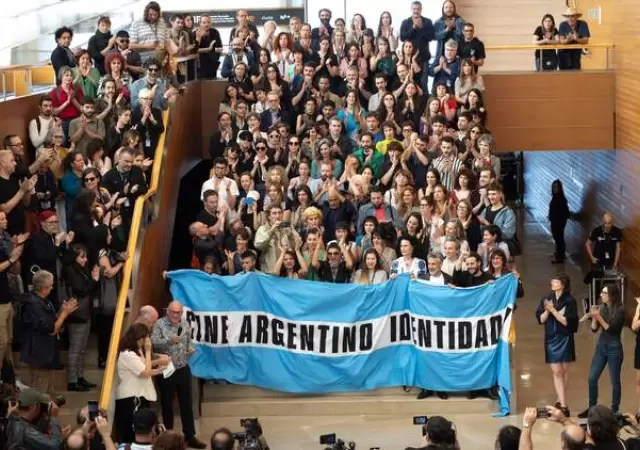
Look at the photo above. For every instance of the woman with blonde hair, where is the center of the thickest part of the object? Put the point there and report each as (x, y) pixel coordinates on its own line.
(485, 158)
(468, 79)
(268, 35)
(453, 230)
(312, 218)
(351, 167)
(371, 271)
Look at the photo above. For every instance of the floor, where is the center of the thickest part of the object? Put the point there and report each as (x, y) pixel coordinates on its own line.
(532, 378)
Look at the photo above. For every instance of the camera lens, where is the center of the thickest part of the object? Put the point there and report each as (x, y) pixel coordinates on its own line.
(60, 400)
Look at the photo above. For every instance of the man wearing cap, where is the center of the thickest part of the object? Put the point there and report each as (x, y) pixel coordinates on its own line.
(22, 429)
(45, 247)
(572, 31)
(132, 57)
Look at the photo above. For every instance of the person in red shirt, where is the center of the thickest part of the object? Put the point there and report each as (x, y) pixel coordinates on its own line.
(67, 98)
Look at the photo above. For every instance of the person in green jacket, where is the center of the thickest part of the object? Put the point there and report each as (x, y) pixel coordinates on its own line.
(368, 155)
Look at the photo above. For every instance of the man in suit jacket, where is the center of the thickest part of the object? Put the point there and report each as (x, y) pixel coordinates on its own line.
(435, 276)
(129, 181)
(274, 113)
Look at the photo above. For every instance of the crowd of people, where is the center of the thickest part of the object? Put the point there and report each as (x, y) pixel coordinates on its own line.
(343, 154)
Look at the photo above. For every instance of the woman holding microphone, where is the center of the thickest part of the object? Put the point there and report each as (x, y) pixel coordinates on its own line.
(559, 315)
(610, 319)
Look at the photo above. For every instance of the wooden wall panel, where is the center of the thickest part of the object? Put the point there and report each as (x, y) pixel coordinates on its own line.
(594, 182)
(15, 116)
(212, 93)
(551, 111)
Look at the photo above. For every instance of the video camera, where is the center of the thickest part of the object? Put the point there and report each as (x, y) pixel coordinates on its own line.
(249, 438)
(421, 420)
(333, 443)
(623, 422)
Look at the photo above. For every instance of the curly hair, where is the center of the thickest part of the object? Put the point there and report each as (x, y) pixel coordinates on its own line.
(112, 57)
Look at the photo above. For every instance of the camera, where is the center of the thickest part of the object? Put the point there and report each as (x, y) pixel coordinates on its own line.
(284, 225)
(249, 438)
(542, 413)
(334, 443)
(623, 422)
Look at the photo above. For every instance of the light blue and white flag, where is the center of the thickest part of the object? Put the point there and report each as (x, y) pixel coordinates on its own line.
(312, 337)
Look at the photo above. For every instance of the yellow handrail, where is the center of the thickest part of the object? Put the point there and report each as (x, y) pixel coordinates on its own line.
(109, 372)
(549, 47)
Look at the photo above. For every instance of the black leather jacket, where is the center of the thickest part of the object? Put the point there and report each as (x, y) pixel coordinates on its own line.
(23, 435)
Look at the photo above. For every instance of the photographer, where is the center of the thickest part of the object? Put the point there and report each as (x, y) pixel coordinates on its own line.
(83, 438)
(439, 434)
(222, 439)
(92, 432)
(36, 425)
(572, 437)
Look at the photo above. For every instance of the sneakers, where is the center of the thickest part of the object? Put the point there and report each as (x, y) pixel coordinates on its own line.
(194, 442)
(584, 414)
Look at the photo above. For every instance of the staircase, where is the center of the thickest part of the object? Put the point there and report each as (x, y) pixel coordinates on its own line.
(220, 401)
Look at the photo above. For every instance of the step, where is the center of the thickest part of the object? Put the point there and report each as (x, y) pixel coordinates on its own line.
(247, 401)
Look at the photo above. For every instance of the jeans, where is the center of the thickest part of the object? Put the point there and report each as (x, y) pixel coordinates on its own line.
(611, 353)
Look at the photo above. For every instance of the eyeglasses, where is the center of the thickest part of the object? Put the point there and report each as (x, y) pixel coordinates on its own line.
(261, 148)
(90, 179)
(333, 253)
(296, 143)
(274, 135)
(124, 41)
(153, 69)
(475, 131)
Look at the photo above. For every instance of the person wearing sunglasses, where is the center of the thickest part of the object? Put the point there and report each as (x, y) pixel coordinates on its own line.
(151, 81)
(131, 57)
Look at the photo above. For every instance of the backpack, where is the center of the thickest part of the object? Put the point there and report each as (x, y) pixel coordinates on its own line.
(18, 320)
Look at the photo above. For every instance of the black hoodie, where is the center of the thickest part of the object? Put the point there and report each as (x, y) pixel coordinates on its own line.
(97, 43)
(558, 207)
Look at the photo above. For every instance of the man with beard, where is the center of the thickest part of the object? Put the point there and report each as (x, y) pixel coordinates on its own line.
(243, 21)
(100, 44)
(473, 276)
(367, 155)
(133, 59)
(325, 29)
(45, 247)
(209, 45)
(42, 126)
(160, 91)
(237, 54)
(478, 197)
(334, 269)
(151, 33)
(377, 208)
(86, 127)
(435, 276)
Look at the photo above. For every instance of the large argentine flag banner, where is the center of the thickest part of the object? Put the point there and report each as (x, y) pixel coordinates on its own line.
(312, 337)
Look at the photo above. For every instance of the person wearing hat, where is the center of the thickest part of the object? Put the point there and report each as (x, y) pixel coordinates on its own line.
(132, 57)
(22, 428)
(572, 31)
(45, 247)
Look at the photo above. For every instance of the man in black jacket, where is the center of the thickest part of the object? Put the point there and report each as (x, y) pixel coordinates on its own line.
(473, 276)
(22, 430)
(39, 327)
(101, 43)
(129, 182)
(45, 247)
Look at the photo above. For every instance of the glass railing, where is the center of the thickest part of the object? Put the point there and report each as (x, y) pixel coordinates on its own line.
(82, 20)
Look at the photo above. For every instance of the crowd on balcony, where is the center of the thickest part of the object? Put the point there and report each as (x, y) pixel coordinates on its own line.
(343, 154)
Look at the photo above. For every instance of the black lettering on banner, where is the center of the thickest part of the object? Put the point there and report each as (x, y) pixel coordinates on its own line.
(464, 335)
(291, 336)
(306, 337)
(335, 344)
(199, 322)
(394, 328)
(211, 329)
(413, 330)
(424, 333)
(452, 335)
(481, 335)
(405, 327)
(261, 329)
(277, 336)
(496, 329)
(439, 324)
(190, 319)
(349, 339)
(245, 331)
(324, 329)
(366, 336)
(225, 329)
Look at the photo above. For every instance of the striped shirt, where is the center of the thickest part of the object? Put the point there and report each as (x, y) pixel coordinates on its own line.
(447, 177)
(146, 33)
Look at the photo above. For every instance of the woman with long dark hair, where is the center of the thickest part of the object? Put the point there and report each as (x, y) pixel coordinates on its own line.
(546, 34)
(558, 216)
(609, 318)
(559, 315)
(385, 30)
(371, 270)
(498, 268)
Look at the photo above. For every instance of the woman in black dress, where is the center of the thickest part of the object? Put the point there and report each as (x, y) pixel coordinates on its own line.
(559, 315)
(558, 216)
(635, 327)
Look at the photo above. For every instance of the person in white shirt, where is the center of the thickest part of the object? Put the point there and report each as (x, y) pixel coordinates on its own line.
(41, 128)
(453, 258)
(435, 276)
(226, 188)
(416, 267)
(134, 378)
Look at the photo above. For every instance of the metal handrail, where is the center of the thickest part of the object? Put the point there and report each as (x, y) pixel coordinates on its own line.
(127, 271)
(550, 47)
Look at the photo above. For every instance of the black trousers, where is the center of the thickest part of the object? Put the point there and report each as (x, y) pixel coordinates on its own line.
(557, 231)
(104, 327)
(569, 59)
(178, 383)
(125, 408)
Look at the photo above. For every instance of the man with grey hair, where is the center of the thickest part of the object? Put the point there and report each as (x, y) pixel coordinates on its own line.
(446, 69)
(161, 92)
(39, 325)
(435, 276)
